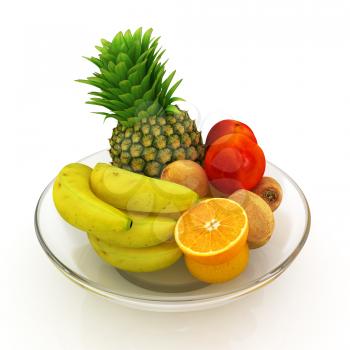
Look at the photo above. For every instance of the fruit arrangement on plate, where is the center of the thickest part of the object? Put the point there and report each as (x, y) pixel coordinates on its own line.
(166, 194)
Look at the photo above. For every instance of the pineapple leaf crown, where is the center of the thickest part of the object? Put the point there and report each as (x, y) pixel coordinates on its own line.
(131, 78)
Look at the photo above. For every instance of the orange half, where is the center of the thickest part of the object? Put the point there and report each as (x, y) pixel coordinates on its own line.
(213, 231)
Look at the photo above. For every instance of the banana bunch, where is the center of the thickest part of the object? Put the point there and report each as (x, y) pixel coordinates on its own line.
(122, 213)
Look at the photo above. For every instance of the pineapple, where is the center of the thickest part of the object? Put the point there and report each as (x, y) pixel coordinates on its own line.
(151, 131)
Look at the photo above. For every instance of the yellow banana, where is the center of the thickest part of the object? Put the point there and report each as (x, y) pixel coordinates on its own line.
(147, 230)
(127, 190)
(137, 259)
(78, 205)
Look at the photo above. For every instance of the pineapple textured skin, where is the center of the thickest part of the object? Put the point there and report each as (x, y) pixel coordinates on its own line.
(153, 142)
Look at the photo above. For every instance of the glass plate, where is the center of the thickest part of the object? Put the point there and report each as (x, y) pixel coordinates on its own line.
(172, 289)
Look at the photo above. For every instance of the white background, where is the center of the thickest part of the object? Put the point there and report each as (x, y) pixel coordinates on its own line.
(281, 66)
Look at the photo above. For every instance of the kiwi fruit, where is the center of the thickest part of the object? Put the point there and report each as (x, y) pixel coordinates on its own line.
(270, 191)
(260, 217)
(187, 173)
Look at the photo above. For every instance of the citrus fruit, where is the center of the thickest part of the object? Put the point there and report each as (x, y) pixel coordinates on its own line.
(219, 272)
(213, 231)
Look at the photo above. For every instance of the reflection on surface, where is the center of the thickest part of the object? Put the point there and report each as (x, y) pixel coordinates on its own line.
(118, 327)
(174, 279)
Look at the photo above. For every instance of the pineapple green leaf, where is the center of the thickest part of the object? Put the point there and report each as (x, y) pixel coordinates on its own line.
(149, 95)
(167, 82)
(131, 110)
(112, 104)
(116, 91)
(84, 81)
(144, 55)
(158, 55)
(154, 107)
(102, 113)
(101, 49)
(131, 77)
(101, 102)
(122, 114)
(128, 38)
(128, 99)
(139, 67)
(159, 77)
(95, 82)
(165, 86)
(95, 61)
(118, 105)
(154, 42)
(172, 109)
(105, 42)
(138, 35)
(155, 67)
(121, 71)
(136, 91)
(106, 57)
(137, 51)
(112, 78)
(110, 116)
(103, 94)
(135, 78)
(140, 104)
(111, 66)
(123, 57)
(117, 43)
(145, 83)
(132, 52)
(174, 99)
(125, 85)
(152, 52)
(172, 90)
(146, 39)
(106, 115)
(100, 80)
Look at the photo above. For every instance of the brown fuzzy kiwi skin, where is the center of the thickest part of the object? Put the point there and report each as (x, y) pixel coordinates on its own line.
(260, 217)
(255, 245)
(270, 191)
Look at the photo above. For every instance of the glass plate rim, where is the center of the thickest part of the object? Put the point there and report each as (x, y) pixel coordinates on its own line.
(233, 294)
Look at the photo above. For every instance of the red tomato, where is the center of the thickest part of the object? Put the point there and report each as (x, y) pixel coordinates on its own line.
(234, 161)
(228, 126)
